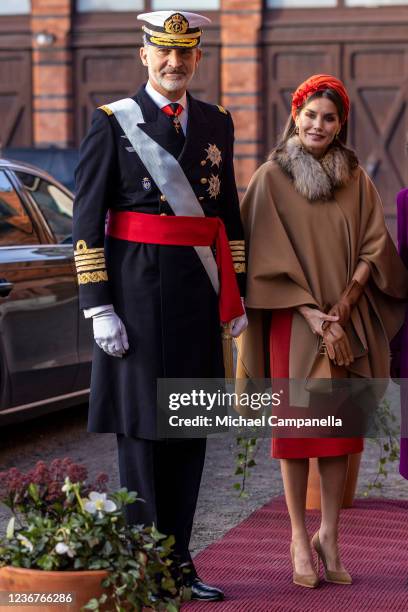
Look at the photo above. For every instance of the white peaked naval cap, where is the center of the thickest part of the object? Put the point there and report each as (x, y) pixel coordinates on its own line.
(173, 29)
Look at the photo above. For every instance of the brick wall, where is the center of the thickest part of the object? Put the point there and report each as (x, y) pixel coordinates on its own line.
(241, 81)
(52, 73)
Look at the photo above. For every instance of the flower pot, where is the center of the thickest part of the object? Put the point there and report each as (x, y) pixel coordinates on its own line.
(313, 484)
(83, 585)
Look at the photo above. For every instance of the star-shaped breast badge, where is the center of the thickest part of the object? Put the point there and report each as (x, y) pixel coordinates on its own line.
(213, 154)
(214, 186)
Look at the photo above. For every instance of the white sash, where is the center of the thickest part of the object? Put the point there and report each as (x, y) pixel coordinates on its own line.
(166, 173)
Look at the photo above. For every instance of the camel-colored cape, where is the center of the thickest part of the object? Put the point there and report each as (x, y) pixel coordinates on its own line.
(305, 252)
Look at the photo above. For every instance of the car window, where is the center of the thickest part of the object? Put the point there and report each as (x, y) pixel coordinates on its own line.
(54, 204)
(15, 224)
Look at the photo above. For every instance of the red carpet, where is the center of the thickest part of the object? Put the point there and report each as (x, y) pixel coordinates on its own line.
(251, 563)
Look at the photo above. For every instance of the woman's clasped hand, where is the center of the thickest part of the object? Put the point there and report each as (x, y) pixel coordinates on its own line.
(334, 336)
(338, 345)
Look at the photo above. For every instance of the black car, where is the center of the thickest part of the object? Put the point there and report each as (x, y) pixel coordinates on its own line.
(45, 342)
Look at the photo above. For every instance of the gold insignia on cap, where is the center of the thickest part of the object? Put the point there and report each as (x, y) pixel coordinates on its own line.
(176, 24)
(213, 154)
(214, 186)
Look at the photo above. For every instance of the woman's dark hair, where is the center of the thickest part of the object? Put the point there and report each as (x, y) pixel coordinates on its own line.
(340, 141)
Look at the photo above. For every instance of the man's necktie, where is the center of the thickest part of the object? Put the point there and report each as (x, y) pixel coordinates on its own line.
(173, 111)
(175, 138)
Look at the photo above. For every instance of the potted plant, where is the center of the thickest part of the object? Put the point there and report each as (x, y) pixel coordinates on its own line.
(68, 536)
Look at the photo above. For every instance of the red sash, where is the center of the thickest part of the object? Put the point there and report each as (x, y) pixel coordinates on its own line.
(184, 231)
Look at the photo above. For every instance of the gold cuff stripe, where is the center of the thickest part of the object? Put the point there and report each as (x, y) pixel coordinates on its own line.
(237, 249)
(239, 267)
(88, 252)
(90, 256)
(92, 277)
(93, 267)
(239, 258)
(237, 242)
(91, 260)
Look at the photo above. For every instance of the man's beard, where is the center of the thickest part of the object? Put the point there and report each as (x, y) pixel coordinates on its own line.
(173, 85)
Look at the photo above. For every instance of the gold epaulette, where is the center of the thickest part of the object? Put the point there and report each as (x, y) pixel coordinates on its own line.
(90, 264)
(106, 110)
(238, 255)
(222, 109)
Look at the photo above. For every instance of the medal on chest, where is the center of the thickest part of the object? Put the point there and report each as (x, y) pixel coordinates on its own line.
(176, 123)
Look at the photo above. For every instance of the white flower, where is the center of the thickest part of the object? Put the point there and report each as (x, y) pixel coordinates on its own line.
(98, 503)
(66, 488)
(63, 549)
(25, 542)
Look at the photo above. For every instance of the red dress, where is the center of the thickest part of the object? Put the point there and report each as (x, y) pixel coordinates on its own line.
(297, 448)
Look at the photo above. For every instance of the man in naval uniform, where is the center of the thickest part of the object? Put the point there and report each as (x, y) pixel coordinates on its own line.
(153, 300)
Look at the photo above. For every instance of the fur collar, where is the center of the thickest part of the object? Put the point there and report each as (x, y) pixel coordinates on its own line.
(315, 179)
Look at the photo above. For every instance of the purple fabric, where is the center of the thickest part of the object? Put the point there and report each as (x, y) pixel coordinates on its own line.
(401, 341)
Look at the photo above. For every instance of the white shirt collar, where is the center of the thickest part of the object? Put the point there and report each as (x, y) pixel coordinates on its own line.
(161, 101)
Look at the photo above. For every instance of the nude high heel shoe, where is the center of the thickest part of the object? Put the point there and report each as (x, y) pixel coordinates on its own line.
(338, 577)
(309, 581)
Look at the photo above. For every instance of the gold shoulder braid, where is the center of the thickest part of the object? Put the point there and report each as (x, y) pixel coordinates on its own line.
(222, 109)
(106, 110)
(90, 264)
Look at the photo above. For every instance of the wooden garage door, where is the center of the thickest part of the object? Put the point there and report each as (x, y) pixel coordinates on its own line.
(15, 98)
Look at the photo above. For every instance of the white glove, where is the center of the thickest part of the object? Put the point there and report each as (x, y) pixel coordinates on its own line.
(238, 325)
(109, 332)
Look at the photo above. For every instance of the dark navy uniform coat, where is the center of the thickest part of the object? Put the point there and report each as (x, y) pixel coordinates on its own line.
(162, 293)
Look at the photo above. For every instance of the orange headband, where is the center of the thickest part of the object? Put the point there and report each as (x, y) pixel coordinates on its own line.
(319, 82)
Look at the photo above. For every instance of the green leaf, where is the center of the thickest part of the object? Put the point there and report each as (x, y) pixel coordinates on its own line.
(170, 541)
(46, 562)
(93, 604)
(156, 535)
(93, 542)
(10, 528)
(237, 486)
(107, 549)
(33, 491)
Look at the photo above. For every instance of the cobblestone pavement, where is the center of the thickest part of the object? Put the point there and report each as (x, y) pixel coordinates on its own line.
(219, 508)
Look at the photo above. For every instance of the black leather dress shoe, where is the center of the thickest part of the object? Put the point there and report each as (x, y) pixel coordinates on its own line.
(204, 592)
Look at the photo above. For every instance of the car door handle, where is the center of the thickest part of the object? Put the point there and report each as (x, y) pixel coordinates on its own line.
(5, 287)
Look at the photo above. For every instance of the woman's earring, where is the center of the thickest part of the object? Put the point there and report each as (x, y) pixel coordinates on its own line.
(296, 130)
